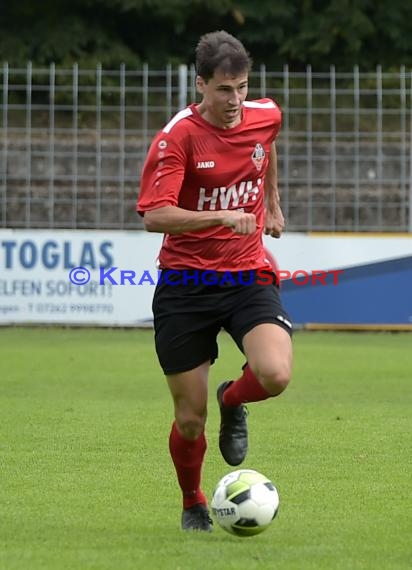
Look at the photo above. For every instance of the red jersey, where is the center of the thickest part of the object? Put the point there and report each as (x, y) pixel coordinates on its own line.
(197, 166)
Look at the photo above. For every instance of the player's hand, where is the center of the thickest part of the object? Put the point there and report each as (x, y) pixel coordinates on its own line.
(274, 222)
(240, 222)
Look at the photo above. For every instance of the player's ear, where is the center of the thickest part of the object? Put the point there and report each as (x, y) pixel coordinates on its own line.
(200, 84)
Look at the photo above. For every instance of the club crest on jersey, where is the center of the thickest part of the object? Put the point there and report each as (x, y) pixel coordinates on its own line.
(258, 156)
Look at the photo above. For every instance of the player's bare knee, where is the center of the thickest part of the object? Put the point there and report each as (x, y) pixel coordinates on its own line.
(275, 381)
(191, 428)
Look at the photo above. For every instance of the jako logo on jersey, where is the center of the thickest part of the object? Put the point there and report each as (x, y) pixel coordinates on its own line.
(206, 164)
(258, 156)
(232, 197)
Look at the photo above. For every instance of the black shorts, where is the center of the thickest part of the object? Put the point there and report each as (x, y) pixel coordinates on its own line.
(189, 316)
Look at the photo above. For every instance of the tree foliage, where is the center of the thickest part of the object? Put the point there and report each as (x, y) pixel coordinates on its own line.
(296, 32)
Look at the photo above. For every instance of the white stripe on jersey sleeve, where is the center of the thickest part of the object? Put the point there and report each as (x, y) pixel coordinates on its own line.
(258, 105)
(178, 117)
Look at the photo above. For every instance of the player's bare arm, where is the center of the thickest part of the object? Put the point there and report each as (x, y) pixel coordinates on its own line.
(175, 220)
(274, 220)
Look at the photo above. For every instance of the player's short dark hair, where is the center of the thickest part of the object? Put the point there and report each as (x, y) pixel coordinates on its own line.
(223, 52)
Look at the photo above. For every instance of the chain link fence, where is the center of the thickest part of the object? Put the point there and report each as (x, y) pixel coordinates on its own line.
(73, 142)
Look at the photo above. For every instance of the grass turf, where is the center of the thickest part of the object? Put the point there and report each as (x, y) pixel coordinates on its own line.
(87, 482)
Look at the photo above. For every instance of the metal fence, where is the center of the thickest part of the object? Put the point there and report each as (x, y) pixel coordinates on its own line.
(73, 142)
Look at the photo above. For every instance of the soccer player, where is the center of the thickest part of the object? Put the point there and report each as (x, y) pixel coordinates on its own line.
(209, 184)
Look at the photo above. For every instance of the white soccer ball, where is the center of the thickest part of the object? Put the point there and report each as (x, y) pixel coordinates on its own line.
(245, 502)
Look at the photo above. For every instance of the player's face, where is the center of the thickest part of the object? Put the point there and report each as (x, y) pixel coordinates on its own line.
(223, 96)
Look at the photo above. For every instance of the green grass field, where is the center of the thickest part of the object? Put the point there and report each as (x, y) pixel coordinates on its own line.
(86, 482)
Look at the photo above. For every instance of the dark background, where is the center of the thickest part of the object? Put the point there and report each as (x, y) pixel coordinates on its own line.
(276, 32)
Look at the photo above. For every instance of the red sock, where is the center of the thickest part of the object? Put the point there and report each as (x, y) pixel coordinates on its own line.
(187, 456)
(246, 389)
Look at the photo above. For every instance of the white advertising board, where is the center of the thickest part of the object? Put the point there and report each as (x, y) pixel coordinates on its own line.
(38, 271)
(116, 271)
(325, 251)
